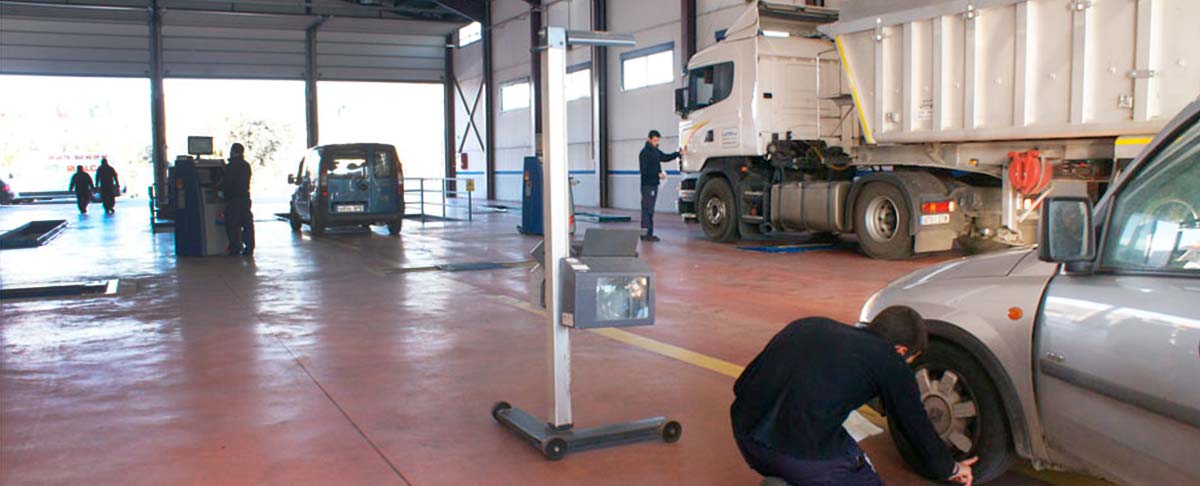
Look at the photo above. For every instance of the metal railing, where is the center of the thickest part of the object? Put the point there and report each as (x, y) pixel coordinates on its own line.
(446, 189)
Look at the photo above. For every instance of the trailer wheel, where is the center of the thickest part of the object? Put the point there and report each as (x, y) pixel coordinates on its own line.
(965, 409)
(881, 220)
(717, 211)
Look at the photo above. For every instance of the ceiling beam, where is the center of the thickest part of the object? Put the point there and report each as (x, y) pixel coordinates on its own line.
(471, 9)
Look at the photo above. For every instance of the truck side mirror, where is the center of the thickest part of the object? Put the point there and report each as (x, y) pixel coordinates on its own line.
(681, 101)
(292, 179)
(1066, 234)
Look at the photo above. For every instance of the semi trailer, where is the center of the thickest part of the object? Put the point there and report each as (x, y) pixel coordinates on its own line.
(917, 124)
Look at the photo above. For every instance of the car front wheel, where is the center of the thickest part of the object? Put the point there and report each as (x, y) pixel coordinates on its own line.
(965, 409)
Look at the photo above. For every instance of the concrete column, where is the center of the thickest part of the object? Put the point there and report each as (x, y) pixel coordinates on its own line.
(687, 32)
(312, 124)
(451, 128)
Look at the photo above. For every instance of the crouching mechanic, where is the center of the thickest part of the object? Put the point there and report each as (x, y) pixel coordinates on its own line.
(790, 402)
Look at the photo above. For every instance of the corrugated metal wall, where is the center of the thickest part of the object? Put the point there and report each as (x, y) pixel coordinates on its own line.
(36, 40)
(59, 40)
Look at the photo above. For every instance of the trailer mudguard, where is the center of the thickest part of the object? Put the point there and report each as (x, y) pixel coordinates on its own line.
(918, 187)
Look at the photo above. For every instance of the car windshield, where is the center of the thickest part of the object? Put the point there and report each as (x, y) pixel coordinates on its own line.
(347, 165)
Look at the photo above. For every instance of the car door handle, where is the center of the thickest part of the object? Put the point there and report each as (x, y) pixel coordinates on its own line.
(1055, 357)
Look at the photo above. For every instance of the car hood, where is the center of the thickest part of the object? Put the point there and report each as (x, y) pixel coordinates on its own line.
(997, 264)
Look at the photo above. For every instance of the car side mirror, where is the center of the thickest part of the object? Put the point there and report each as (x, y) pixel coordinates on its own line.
(1066, 234)
(292, 179)
(681, 102)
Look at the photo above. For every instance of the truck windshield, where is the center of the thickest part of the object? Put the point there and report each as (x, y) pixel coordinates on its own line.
(709, 84)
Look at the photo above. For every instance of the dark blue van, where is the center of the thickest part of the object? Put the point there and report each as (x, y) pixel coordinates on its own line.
(346, 185)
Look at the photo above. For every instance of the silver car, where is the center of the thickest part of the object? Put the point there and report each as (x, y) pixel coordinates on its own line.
(1082, 354)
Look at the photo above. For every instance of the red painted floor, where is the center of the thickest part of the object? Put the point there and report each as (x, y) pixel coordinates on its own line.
(320, 361)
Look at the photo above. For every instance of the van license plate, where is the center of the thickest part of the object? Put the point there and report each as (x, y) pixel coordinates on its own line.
(931, 219)
(350, 208)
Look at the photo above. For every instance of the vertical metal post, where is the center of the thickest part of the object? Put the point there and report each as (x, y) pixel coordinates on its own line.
(444, 199)
(490, 107)
(555, 187)
(158, 110)
(312, 125)
(470, 207)
(451, 127)
(536, 94)
(600, 101)
(687, 28)
(422, 186)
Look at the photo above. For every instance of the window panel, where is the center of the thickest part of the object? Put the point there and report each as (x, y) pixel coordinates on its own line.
(469, 33)
(648, 70)
(514, 96)
(579, 84)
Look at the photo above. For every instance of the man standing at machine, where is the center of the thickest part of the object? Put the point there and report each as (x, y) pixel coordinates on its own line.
(110, 186)
(791, 401)
(650, 164)
(239, 221)
(82, 185)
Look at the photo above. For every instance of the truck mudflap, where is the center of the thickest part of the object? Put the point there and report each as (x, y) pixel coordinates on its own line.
(932, 232)
(686, 203)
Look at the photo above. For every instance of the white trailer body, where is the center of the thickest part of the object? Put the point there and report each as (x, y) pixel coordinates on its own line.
(804, 120)
(1020, 69)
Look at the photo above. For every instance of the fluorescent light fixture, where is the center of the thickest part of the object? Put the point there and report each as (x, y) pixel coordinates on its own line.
(776, 33)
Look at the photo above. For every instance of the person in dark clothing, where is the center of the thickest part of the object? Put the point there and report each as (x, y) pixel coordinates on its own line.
(650, 164)
(791, 401)
(239, 221)
(106, 180)
(81, 183)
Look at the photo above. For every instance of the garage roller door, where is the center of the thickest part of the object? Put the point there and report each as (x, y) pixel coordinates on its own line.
(73, 42)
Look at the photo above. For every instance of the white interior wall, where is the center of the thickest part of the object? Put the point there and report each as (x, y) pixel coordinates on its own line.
(634, 113)
(468, 70)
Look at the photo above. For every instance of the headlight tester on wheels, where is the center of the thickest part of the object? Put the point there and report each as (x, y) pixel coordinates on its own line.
(605, 286)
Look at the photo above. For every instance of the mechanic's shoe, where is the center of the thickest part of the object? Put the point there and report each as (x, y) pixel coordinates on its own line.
(651, 238)
(248, 252)
(773, 481)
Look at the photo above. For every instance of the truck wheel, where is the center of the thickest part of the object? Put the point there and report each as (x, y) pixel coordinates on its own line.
(965, 410)
(717, 211)
(881, 219)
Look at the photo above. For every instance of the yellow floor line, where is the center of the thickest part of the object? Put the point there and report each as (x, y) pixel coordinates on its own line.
(733, 371)
(671, 351)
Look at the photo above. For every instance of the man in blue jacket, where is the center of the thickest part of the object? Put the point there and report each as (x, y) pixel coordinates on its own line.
(650, 164)
(790, 401)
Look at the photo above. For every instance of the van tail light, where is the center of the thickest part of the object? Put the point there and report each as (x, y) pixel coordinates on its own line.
(938, 207)
(400, 188)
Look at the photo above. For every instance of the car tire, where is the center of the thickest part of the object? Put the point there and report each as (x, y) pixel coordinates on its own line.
(294, 219)
(986, 429)
(881, 221)
(395, 226)
(717, 211)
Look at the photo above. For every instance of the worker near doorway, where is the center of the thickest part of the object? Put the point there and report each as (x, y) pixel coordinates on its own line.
(81, 184)
(791, 401)
(239, 221)
(110, 186)
(650, 165)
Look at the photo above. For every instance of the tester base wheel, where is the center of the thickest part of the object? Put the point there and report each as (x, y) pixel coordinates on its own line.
(499, 407)
(671, 432)
(555, 449)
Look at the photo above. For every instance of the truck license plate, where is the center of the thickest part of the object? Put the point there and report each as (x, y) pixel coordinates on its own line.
(931, 219)
(350, 208)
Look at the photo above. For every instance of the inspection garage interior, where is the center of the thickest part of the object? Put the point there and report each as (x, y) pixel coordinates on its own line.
(594, 242)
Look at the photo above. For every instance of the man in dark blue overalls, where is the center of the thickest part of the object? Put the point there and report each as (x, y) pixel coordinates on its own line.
(239, 221)
(650, 165)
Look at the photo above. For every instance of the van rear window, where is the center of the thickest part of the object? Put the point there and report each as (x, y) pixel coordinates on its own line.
(347, 165)
(383, 164)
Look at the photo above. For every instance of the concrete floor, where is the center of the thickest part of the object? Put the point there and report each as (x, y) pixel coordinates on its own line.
(347, 360)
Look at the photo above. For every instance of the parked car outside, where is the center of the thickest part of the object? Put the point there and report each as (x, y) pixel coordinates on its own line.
(348, 184)
(1082, 354)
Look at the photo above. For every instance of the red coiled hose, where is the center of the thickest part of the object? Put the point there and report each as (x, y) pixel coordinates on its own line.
(1028, 172)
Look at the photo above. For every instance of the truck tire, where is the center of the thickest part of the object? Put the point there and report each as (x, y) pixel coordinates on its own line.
(881, 221)
(965, 409)
(717, 211)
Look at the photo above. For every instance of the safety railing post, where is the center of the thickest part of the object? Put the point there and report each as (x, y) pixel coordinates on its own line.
(470, 208)
(444, 200)
(422, 184)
